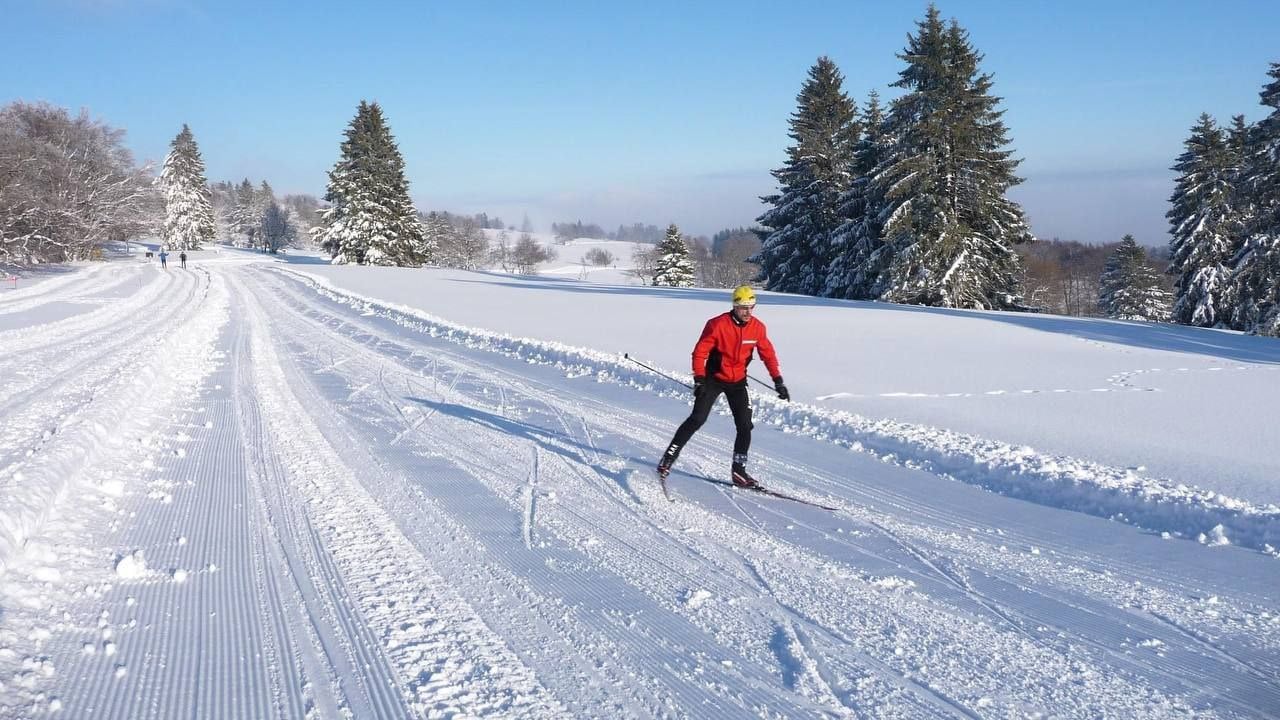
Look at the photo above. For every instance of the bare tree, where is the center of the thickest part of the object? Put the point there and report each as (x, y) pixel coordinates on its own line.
(644, 260)
(500, 254)
(527, 254)
(277, 230)
(727, 265)
(462, 244)
(599, 257)
(67, 185)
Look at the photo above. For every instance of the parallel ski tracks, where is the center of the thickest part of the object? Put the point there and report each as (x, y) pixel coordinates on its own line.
(434, 638)
(483, 446)
(400, 509)
(42, 385)
(390, 351)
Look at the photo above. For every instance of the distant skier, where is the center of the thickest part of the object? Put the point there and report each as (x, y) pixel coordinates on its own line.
(720, 360)
(164, 258)
(182, 258)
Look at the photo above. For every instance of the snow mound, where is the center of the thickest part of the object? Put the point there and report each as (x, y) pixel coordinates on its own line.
(132, 566)
(695, 599)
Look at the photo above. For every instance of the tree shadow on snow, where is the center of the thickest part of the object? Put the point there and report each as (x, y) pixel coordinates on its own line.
(292, 259)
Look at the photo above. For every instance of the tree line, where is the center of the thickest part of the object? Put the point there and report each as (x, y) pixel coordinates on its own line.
(1225, 222)
(1065, 277)
(680, 260)
(905, 203)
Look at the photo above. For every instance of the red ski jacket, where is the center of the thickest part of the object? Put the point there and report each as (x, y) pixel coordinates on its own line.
(725, 349)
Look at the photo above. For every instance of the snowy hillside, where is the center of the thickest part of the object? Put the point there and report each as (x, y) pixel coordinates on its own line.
(571, 260)
(268, 489)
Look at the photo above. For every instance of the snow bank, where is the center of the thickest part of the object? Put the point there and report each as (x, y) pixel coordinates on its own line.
(1019, 471)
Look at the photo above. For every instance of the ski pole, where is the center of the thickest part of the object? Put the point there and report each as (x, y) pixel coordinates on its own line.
(654, 370)
(768, 385)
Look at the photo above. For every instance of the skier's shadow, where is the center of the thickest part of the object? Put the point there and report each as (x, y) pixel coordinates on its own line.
(552, 441)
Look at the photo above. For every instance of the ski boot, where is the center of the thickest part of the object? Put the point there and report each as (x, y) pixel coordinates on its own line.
(740, 476)
(668, 459)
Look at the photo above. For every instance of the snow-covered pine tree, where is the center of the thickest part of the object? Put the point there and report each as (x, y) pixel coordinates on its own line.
(460, 241)
(371, 221)
(247, 220)
(856, 243)
(1129, 289)
(674, 267)
(797, 251)
(946, 224)
(437, 235)
(1201, 220)
(264, 197)
(1256, 278)
(222, 196)
(188, 211)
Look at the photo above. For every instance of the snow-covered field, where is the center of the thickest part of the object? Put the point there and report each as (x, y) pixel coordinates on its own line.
(571, 260)
(263, 489)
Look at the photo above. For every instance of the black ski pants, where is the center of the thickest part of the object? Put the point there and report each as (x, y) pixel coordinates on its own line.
(736, 394)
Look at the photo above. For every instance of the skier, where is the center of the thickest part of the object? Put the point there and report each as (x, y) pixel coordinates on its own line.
(182, 256)
(720, 360)
(164, 258)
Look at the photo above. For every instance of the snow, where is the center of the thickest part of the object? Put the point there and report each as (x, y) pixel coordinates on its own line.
(132, 566)
(570, 260)
(382, 492)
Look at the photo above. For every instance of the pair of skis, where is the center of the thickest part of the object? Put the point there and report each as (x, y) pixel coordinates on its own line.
(758, 489)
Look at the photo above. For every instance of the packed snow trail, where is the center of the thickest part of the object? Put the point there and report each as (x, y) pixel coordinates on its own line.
(266, 501)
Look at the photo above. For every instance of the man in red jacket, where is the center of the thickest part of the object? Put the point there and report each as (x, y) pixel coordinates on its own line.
(720, 360)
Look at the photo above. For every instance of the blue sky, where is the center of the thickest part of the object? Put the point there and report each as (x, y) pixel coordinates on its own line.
(621, 112)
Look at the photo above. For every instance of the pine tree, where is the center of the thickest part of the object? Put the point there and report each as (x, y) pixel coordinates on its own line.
(188, 211)
(263, 198)
(246, 218)
(948, 230)
(674, 267)
(222, 196)
(371, 221)
(856, 243)
(797, 251)
(1256, 277)
(437, 235)
(1129, 288)
(1201, 219)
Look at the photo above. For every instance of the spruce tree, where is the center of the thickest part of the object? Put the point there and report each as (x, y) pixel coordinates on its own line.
(1129, 289)
(246, 218)
(371, 221)
(797, 251)
(263, 198)
(674, 266)
(948, 230)
(1201, 220)
(188, 210)
(1256, 277)
(856, 243)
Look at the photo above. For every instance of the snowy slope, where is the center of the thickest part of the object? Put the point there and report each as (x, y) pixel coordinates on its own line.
(235, 491)
(570, 260)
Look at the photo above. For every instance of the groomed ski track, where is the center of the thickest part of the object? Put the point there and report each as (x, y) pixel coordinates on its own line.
(259, 498)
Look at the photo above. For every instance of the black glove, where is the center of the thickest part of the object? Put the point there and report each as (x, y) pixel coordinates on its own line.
(781, 389)
(699, 386)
